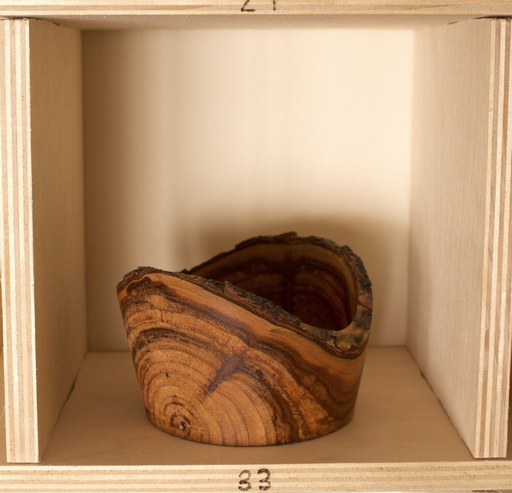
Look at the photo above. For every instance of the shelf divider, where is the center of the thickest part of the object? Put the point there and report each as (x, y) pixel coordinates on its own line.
(459, 311)
(42, 228)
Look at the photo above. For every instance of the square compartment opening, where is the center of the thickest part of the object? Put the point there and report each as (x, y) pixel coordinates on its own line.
(189, 140)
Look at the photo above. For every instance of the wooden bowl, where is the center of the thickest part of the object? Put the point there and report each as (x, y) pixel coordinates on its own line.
(260, 345)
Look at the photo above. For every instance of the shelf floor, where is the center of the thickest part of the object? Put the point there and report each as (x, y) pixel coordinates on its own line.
(397, 419)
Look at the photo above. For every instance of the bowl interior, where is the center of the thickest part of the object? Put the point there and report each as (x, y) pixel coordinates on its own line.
(309, 281)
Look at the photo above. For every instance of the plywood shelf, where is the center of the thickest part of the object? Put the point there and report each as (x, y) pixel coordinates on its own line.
(137, 14)
(400, 439)
(425, 476)
(398, 419)
(354, 7)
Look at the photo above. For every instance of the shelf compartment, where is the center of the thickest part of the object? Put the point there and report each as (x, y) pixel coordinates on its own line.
(44, 279)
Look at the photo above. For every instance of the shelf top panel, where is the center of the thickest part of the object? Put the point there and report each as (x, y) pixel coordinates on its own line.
(91, 14)
(122, 7)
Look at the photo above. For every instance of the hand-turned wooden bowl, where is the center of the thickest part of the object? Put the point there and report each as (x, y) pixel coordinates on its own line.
(260, 345)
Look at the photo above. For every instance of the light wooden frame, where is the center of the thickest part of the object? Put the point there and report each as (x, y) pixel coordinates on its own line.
(133, 8)
(38, 232)
(30, 420)
(442, 242)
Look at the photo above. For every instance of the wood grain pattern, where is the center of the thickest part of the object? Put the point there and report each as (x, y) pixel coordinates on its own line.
(260, 345)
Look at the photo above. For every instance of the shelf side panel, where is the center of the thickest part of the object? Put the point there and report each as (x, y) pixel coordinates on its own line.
(459, 312)
(58, 195)
(492, 419)
(43, 285)
(17, 246)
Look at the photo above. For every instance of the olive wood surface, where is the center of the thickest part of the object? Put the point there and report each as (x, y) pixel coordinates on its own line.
(261, 345)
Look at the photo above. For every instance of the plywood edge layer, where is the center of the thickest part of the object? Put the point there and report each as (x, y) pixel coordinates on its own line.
(494, 381)
(487, 475)
(16, 262)
(353, 7)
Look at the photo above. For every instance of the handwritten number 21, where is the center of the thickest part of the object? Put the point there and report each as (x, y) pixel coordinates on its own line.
(246, 9)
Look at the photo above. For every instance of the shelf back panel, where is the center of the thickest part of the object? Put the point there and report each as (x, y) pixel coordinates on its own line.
(459, 285)
(197, 140)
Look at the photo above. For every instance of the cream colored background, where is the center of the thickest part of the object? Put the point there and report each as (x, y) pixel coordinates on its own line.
(197, 139)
